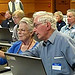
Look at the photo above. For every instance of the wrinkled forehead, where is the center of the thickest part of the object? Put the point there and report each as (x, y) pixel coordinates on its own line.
(36, 19)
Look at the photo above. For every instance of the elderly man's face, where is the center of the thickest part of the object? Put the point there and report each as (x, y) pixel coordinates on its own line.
(70, 18)
(40, 29)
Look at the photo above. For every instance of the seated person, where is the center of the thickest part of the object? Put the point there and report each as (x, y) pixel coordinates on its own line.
(56, 50)
(6, 23)
(17, 16)
(70, 28)
(59, 18)
(25, 42)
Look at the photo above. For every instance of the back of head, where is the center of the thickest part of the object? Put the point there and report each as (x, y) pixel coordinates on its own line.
(19, 13)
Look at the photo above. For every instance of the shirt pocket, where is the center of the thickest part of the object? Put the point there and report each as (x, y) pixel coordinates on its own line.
(60, 65)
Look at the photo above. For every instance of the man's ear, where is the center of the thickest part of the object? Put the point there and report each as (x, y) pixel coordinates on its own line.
(48, 26)
(32, 33)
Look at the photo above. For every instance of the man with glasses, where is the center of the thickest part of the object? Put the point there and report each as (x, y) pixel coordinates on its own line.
(56, 50)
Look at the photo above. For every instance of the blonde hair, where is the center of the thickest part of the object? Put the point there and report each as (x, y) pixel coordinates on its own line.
(19, 13)
(28, 21)
(60, 14)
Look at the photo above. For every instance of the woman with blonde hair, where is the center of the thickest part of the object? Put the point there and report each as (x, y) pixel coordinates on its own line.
(59, 17)
(17, 16)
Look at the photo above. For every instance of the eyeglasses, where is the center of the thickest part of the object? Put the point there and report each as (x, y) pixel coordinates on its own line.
(23, 30)
(36, 25)
(15, 17)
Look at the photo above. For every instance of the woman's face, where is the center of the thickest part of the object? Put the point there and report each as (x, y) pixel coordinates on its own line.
(16, 19)
(23, 32)
(58, 18)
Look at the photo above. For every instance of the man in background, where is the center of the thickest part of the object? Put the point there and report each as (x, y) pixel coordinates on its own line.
(70, 28)
(14, 5)
(9, 21)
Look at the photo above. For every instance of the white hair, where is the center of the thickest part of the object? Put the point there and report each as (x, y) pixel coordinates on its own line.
(28, 21)
(40, 13)
(46, 17)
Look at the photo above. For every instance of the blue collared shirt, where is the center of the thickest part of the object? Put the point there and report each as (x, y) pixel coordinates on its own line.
(55, 54)
(69, 31)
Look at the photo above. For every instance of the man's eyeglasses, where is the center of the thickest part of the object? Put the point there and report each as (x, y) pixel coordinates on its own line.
(36, 25)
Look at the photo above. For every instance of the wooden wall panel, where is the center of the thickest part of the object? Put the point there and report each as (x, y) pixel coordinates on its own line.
(3, 5)
(4, 1)
(27, 1)
(62, 5)
(46, 5)
(72, 4)
(29, 7)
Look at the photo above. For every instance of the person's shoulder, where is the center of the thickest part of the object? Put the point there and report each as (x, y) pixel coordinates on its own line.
(17, 43)
(63, 36)
(15, 27)
(64, 22)
(63, 28)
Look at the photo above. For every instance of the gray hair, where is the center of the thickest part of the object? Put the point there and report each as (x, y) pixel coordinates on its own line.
(29, 23)
(72, 11)
(48, 17)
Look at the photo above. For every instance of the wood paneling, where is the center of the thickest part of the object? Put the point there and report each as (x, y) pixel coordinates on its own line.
(62, 5)
(3, 5)
(72, 4)
(31, 6)
(46, 5)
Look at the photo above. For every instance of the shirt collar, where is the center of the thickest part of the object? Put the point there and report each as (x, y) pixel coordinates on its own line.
(73, 27)
(51, 38)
